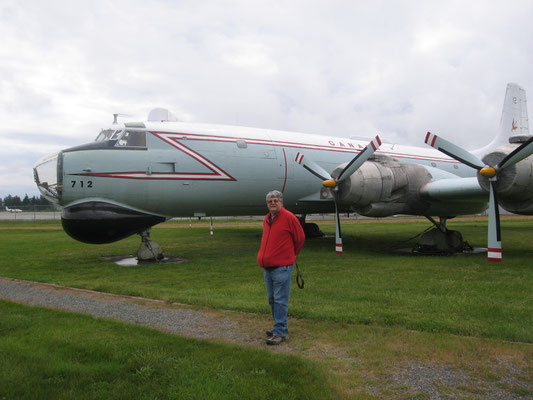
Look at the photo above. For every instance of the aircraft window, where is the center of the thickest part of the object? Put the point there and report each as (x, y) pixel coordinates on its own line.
(105, 134)
(132, 139)
(108, 134)
(116, 135)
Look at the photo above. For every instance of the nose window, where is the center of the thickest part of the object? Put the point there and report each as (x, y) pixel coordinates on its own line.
(48, 175)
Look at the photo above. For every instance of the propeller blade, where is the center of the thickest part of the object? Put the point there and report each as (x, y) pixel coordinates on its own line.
(453, 151)
(359, 159)
(494, 240)
(338, 237)
(319, 172)
(494, 235)
(328, 181)
(312, 167)
(518, 154)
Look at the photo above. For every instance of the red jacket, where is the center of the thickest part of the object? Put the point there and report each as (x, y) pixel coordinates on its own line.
(281, 241)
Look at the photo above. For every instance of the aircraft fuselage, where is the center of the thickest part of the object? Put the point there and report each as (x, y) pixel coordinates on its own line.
(202, 170)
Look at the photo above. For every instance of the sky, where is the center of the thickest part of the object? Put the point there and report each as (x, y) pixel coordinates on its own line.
(341, 68)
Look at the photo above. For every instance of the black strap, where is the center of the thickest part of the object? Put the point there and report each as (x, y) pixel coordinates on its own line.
(299, 277)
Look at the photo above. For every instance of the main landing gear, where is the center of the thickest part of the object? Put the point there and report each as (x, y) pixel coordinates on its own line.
(311, 229)
(441, 240)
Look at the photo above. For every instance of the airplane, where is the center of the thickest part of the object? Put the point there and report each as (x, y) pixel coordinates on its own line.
(138, 174)
(13, 210)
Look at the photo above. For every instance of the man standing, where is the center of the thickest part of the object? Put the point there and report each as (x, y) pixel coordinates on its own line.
(283, 238)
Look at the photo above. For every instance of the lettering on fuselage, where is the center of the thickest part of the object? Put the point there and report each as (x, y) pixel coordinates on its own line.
(349, 145)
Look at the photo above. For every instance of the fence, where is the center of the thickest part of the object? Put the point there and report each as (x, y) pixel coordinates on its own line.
(31, 213)
(44, 213)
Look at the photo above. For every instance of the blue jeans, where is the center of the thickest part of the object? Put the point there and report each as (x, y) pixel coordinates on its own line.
(278, 286)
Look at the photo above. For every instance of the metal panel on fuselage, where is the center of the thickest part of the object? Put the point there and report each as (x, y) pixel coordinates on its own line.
(234, 180)
(178, 175)
(80, 179)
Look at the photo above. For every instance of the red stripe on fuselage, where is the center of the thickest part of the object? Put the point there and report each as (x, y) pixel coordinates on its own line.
(221, 175)
(307, 146)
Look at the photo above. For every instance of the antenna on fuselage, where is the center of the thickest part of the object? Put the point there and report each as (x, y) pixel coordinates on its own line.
(115, 117)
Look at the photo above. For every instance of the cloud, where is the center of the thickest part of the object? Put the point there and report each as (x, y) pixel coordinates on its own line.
(352, 68)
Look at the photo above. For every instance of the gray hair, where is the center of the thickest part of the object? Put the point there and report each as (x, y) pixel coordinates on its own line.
(275, 193)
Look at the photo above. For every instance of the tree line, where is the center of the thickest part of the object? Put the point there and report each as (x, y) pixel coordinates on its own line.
(27, 201)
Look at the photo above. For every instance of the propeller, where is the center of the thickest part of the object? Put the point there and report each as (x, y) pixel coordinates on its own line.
(488, 171)
(330, 182)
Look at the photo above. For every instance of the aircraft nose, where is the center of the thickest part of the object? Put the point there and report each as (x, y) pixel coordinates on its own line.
(48, 176)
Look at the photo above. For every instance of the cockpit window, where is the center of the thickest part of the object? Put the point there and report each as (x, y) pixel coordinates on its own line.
(108, 134)
(122, 138)
(116, 135)
(105, 134)
(132, 139)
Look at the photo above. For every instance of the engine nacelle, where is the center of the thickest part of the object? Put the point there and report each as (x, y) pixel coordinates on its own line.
(383, 187)
(514, 184)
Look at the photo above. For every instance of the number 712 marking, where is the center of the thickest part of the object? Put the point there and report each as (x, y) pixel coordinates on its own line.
(89, 184)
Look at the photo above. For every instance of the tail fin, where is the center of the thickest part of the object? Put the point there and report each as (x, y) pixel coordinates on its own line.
(514, 119)
(514, 116)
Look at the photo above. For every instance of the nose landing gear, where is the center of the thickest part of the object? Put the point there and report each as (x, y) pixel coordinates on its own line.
(148, 250)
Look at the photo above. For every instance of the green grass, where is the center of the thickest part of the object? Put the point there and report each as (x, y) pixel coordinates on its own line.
(361, 316)
(369, 284)
(30, 222)
(48, 354)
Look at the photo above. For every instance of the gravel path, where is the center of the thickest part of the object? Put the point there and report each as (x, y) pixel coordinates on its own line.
(152, 313)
